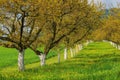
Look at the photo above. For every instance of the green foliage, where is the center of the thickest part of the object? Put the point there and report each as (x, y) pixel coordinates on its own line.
(110, 29)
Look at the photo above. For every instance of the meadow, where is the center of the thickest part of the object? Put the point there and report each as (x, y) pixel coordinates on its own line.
(97, 61)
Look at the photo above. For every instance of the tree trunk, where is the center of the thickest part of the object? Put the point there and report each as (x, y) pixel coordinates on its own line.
(80, 47)
(111, 43)
(21, 61)
(42, 59)
(65, 53)
(74, 52)
(118, 47)
(71, 51)
(86, 44)
(77, 48)
(58, 57)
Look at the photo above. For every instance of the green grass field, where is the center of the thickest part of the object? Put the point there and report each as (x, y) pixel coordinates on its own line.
(97, 61)
(8, 57)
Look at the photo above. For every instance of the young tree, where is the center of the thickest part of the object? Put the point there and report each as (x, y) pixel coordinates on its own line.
(87, 26)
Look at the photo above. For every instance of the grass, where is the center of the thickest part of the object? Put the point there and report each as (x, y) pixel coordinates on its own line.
(9, 57)
(97, 61)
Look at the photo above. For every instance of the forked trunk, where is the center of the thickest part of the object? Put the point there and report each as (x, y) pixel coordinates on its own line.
(65, 53)
(42, 59)
(21, 60)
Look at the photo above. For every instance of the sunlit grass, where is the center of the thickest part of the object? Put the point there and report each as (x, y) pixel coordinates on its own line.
(97, 61)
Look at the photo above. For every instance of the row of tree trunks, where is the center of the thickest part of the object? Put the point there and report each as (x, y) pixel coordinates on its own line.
(114, 45)
(88, 42)
(21, 65)
(73, 51)
(42, 57)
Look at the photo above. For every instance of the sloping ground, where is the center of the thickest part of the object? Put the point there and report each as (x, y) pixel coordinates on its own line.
(97, 61)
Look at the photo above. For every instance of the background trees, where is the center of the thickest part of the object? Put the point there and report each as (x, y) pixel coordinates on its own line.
(110, 30)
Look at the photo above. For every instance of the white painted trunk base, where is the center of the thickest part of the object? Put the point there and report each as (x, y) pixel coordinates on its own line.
(118, 47)
(115, 45)
(105, 41)
(65, 54)
(77, 49)
(42, 59)
(21, 61)
(74, 52)
(71, 51)
(86, 44)
(111, 43)
(91, 41)
(80, 47)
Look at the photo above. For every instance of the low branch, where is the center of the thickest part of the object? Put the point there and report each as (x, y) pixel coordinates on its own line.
(8, 39)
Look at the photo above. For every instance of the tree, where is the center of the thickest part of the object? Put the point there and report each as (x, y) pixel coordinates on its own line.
(110, 29)
(91, 21)
(20, 25)
(64, 18)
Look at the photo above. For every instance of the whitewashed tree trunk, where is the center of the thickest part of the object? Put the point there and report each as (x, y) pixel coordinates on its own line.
(86, 44)
(111, 43)
(118, 47)
(105, 41)
(91, 41)
(42, 59)
(71, 51)
(74, 53)
(77, 49)
(58, 57)
(80, 47)
(65, 54)
(115, 45)
(21, 61)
